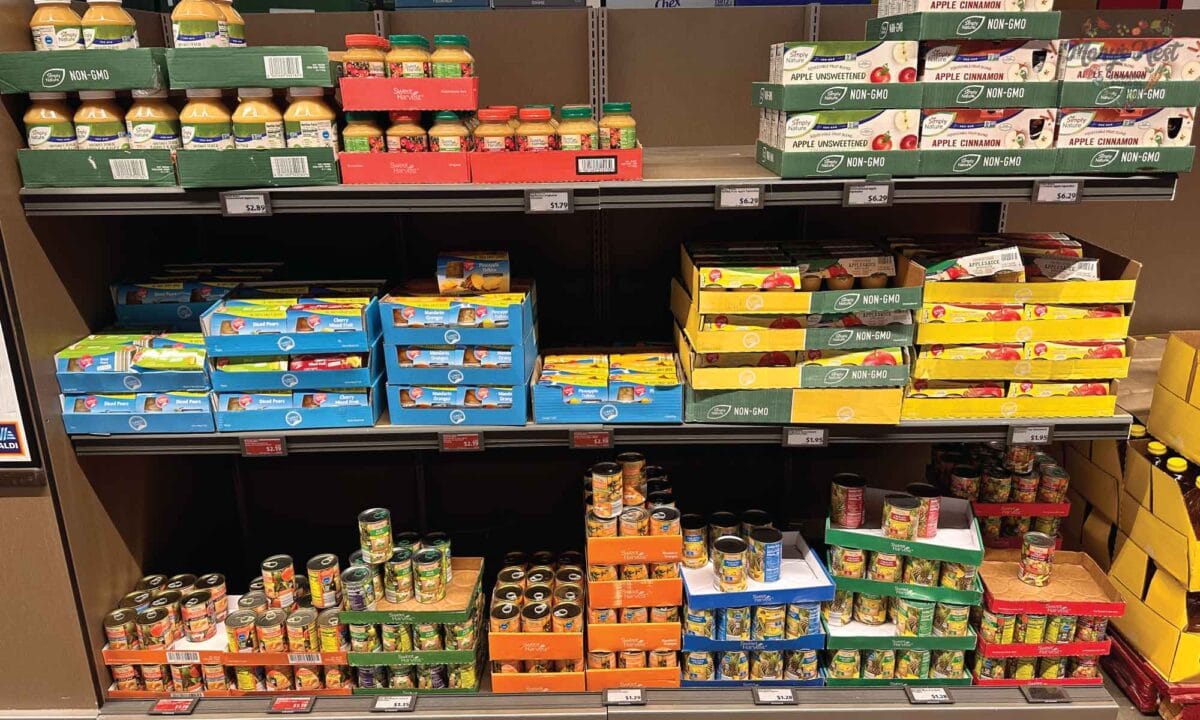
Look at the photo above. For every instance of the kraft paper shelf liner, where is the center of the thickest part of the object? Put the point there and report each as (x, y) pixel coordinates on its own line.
(1075, 579)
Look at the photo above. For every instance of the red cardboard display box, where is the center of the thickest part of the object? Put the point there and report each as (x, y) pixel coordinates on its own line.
(366, 93)
(401, 168)
(556, 166)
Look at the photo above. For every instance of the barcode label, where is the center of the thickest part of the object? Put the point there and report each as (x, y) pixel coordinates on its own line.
(596, 165)
(289, 167)
(304, 658)
(128, 169)
(180, 657)
(283, 67)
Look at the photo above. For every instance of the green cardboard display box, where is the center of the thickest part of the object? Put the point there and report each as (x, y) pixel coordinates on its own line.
(913, 592)
(852, 164)
(257, 168)
(1125, 160)
(847, 96)
(33, 71)
(1165, 93)
(877, 638)
(965, 26)
(991, 95)
(957, 539)
(96, 168)
(275, 67)
(988, 162)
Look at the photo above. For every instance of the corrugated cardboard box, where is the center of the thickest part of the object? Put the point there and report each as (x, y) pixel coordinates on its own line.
(1155, 620)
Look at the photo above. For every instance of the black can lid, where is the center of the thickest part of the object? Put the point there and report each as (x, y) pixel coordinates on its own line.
(302, 616)
(505, 611)
(606, 468)
(692, 521)
(542, 557)
(922, 490)
(407, 538)
(662, 497)
(254, 598)
(428, 555)
(570, 557)
(271, 618)
(153, 615)
(181, 581)
(567, 610)
(847, 479)
(514, 558)
(374, 515)
(150, 582)
(199, 597)
(631, 457)
(330, 617)
(660, 485)
(277, 562)
(730, 545)
(136, 598)
(539, 576)
(255, 584)
(322, 561)
(241, 618)
(569, 575)
(509, 592)
(211, 580)
(660, 514)
(120, 616)
(435, 539)
(966, 471)
(722, 519)
(904, 502)
(536, 611)
(167, 597)
(766, 535)
(756, 517)
(656, 472)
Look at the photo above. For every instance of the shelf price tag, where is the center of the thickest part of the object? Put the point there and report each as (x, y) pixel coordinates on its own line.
(549, 201)
(291, 705)
(460, 442)
(625, 696)
(774, 696)
(174, 706)
(1030, 434)
(591, 439)
(739, 197)
(395, 704)
(264, 447)
(245, 204)
(1045, 694)
(1057, 191)
(802, 437)
(875, 193)
(928, 696)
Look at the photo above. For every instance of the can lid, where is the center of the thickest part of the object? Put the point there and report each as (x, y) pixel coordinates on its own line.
(274, 616)
(505, 610)
(536, 610)
(428, 555)
(922, 490)
(276, 562)
(96, 94)
(152, 615)
(120, 616)
(766, 535)
(198, 597)
(210, 580)
(664, 512)
(846, 479)
(47, 96)
(722, 519)
(240, 618)
(692, 521)
(900, 500)
(202, 93)
(1037, 538)
(965, 471)
(625, 457)
(756, 517)
(1177, 465)
(730, 544)
(302, 616)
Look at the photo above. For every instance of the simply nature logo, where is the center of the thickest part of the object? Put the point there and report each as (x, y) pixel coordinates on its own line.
(836, 376)
(966, 163)
(840, 338)
(53, 77)
(970, 25)
(832, 96)
(1104, 158)
(1110, 95)
(846, 302)
(829, 163)
(968, 94)
(717, 412)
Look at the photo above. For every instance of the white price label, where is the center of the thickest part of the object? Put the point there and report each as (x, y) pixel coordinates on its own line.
(182, 657)
(1030, 434)
(549, 201)
(805, 437)
(739, 197)
(395, 703)
(774, 696)
(928, 696)
(1057, 191)
(625, 696)
(868, 194)
(245, 204)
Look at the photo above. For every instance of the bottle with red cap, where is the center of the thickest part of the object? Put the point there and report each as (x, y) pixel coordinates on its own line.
(535, 133)
(366, 55)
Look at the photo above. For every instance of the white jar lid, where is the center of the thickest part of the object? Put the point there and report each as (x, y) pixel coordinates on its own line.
(147, 93)
(306, 91)
(47, 96)
(254, 92)
(51, 2)
(204, 93)
(97, 95)
(107, 2)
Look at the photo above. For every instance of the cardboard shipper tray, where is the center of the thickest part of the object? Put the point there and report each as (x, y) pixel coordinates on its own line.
(1090, 530)
(396, 93)
(916, 408)
(1022, 331)
(1154, 516)
(224, 380)
(556, 166)
(140, 413)
(396, 314)
(1175, 410)
(935, 593)
(1077, 587)
(34, 71)
(957, 539)
(633, 636)
(275, 167)
(1013, 509)
(1097, 469)
(652, 403)
(461, 596)
(857, 406)
(96, 168)
(538, 682)
(860, 636)
(803, 579)
(403, 168)
(934, 368)
(301, 409)
(632, 678)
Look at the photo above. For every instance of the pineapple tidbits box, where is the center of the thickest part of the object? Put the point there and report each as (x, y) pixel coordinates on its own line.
(470, 273)
(844, 61)
(990, 61)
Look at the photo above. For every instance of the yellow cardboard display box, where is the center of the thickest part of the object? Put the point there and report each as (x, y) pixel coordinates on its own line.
(1091, 464)
(1153, 514)
(1175, 409)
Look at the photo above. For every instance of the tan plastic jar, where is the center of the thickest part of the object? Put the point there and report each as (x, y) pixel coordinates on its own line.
(618, 129)
(362, 134)
(257, 123)
(365, 56)
(309, 121)
(106, 26)
(99, 122)
(235, 26)
(406, 133)
(152, 123)
(198, 23)
(449, 134)
(535, 133)
(408, 56)
(55, 26)
(204, 122)
(451, 58)
(494, 134)
(48, 123)
(578, 131)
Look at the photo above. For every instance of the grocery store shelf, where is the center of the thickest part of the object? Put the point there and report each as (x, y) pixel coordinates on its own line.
(385, 437)
(674, 177)
(1086, 703)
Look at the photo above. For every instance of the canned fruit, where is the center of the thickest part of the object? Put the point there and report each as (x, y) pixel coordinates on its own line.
(921, 571)
(839, 610)
(847, 500)
(847, 562)
(996, 628)
(901, 515)
(844, 664)
(885, 567)
(958, 576)
(951, 620)
(700, 623)
(800, 665)
(729, 561)
(912, 664)
(947, 663)
(1030, 629)
(1037, 558)
(735, 665)
(698, 666)
(375, 534)
(870, 609)
(766, 665)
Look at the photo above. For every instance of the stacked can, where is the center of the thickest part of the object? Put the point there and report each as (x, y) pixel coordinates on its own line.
(1067, 661)
(538, 592)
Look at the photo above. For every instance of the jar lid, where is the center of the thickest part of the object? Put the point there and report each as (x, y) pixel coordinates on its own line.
(1177, 465)
(410, 40)
(405, 116)
(580, 112)
(306, 91)
(360, 117)
(98, 94)
(451, 40)
(51, 2)
(149, 93)
(254, 92)
(547, 106)
(106, 2)
(510, 109)
(47, 96)
(534, 114)
(1156, 448)
(446, 116)
(200, 92)
(618, 107)
(492, 115)
(361, 40)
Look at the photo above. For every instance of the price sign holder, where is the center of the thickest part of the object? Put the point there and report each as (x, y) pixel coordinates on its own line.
(541, 202)
(624, 696)
(805, 437)
(1057, 191)
(243, 203)
(264, 447)
(928, 696)
(460, 442)
(591, 439)
(395, 704)
(868, 193)
(775, 696)
(291, 705)
(1045, 694)
(738, 197)
(174, 706)
(1030, 434)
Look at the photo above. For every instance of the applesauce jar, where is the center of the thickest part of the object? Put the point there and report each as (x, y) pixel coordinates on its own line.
(578, 131)
(257, 122)
(309, 121)
(449, 134)
(106, 26)
(408, 56)
(536, 134)
(197, 23)
(406, 133)
(365, 56)
(235, 26)
(494, 134)
(362, 134)
(48, 124)
(451, 57)
(618, 129)
(99, 122)
(152, 123)
(55, 26)
(204, 122)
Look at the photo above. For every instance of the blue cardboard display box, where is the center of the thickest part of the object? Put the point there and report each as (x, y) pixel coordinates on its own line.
(137, 413)
(363, 377)
(430, 319)
(297, 333)
(515, 414)
(271, 411)
(521, 360)
(660, 404)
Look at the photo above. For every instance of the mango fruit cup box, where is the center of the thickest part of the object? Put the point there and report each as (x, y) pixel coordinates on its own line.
(1125, 127)
(987, 129)
(160, 412)
(843, 61)
(470, 273)
(992, 61)
(1057, 389)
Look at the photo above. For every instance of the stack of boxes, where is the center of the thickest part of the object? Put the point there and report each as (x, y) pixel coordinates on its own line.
(1016, 325)
(780, 332)
(905, 589)
(608, 388)
(176, 295)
